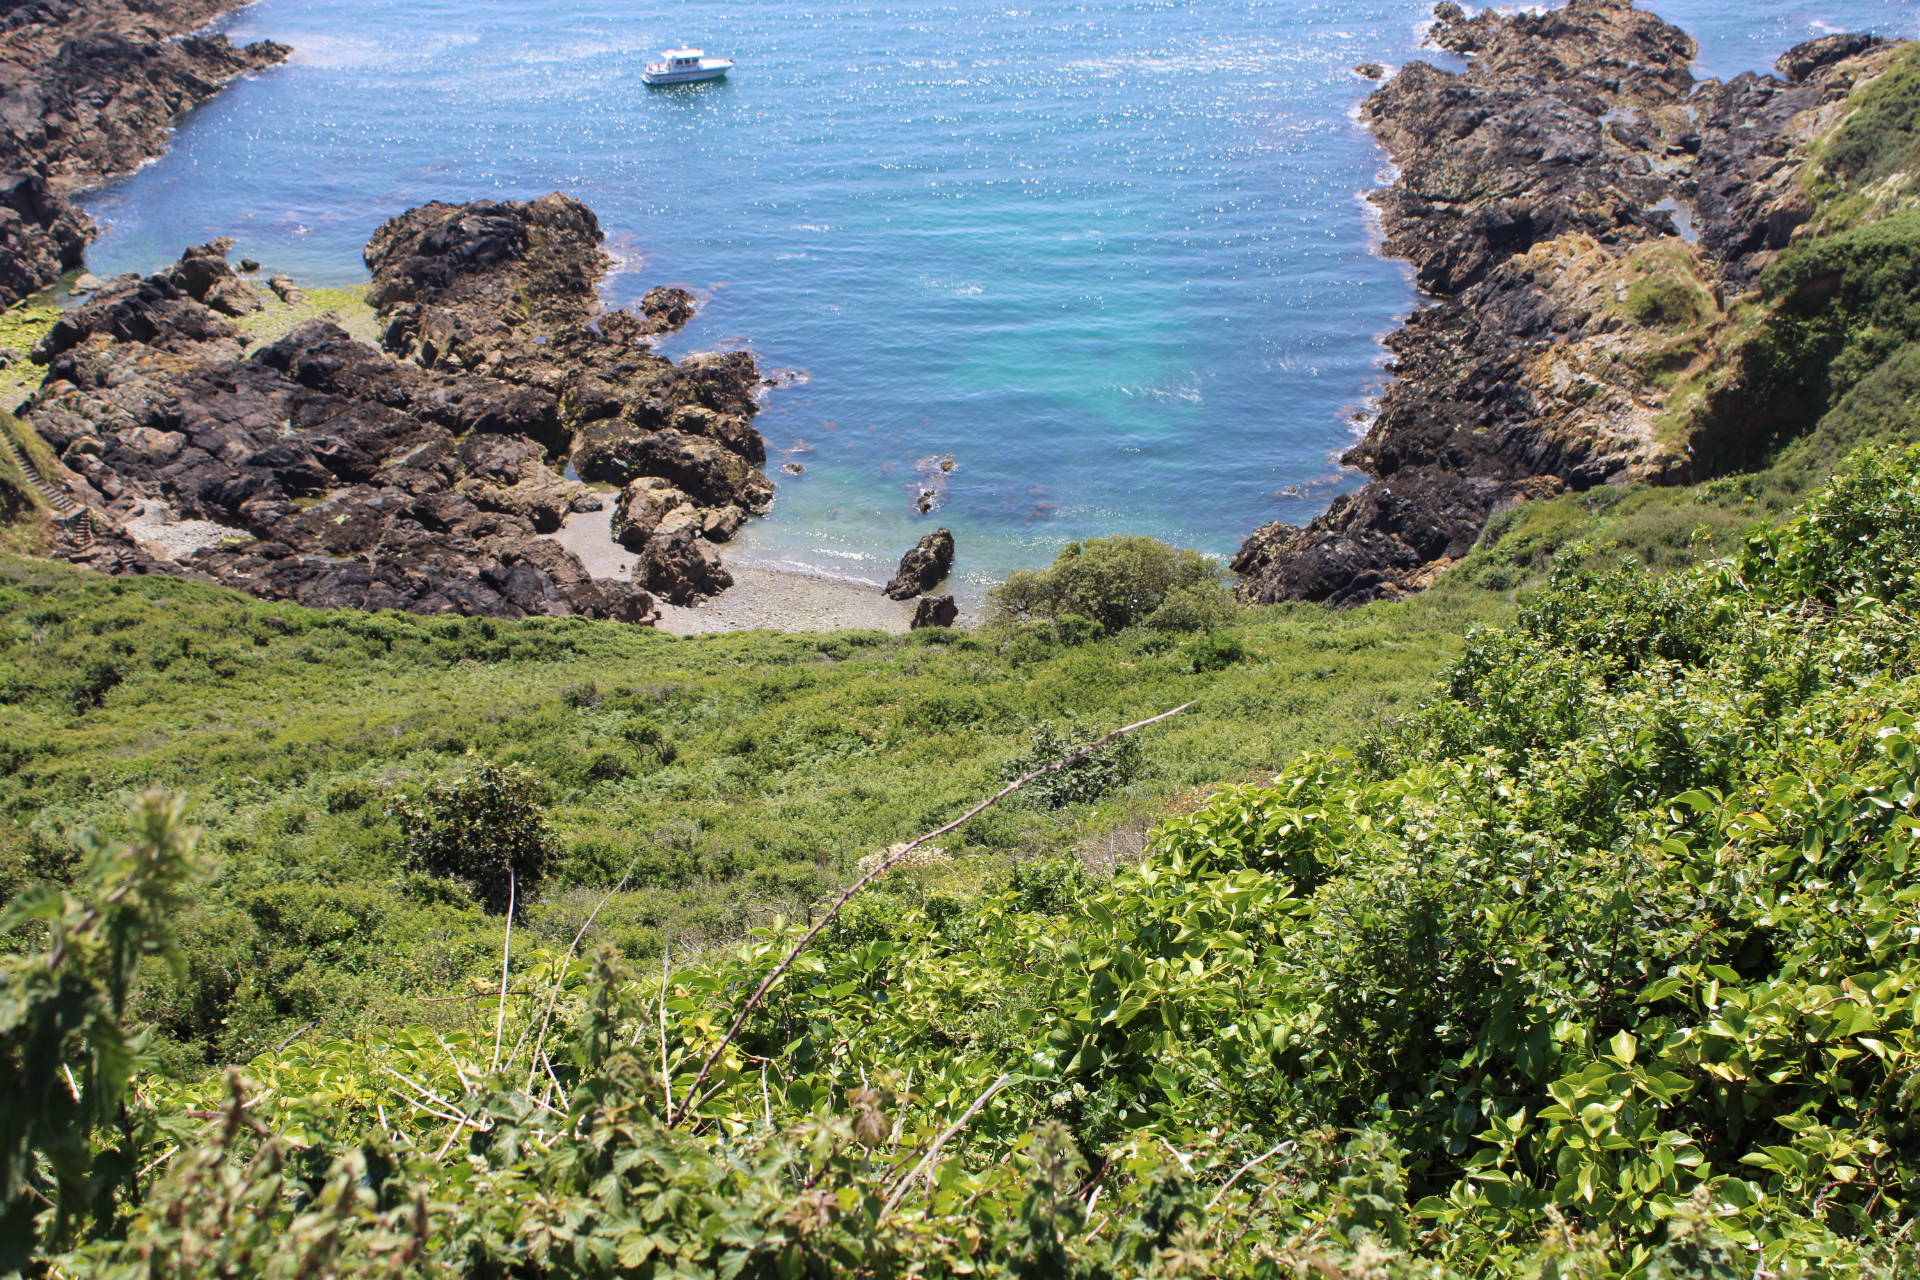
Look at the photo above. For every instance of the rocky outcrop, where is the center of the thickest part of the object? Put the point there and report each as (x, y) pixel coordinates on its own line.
(509, 290)
(922, 568)
(41, 236)
(1534, 197)
(204, 275)
(682, 566)
(349, 478)
(88, 90)
(934, 611)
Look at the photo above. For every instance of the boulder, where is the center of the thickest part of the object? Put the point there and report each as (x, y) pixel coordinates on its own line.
(643, 506)
(923, 567)
(711, 473)
(682, 566)
(934, 611)
(204, 275)
(667, 309)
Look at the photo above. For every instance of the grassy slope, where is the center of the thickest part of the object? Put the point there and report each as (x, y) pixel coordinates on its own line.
(739, 775)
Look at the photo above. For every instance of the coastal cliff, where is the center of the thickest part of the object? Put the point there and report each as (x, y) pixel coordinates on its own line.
(89, 90)
(1587, 221)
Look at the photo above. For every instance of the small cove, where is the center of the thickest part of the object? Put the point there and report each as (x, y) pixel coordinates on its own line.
(1111, 260)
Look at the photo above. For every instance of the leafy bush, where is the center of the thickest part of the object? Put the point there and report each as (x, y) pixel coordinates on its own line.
(1882, 135)
(1115, 582)
(1215, 653)
(485, 828)
(1104, 770)
(1664, 300)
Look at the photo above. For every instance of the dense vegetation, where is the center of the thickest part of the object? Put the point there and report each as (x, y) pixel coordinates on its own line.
(1599, 964)
(726, 779)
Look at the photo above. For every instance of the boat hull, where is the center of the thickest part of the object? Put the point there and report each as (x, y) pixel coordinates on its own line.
(662, 79)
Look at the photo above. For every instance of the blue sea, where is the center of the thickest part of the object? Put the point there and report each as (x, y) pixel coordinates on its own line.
(1111, 259)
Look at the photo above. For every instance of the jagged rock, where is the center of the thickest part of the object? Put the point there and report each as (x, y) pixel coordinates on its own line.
(729, 430)
(643, 506)
(152, 312)
(42, 236)
(90, 90)
(721, 523)
(321, 355)
(470, 272)
(711, 473)
(667, 309)
(249, 265)
(923, 567)
(934, 611)
(1370, 70)
(543, 501)
(286, 290)
(203, 275)
(682, 566)
(1801, 61)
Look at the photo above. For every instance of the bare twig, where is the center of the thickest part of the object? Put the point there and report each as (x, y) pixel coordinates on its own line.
(506, 956)
(1228, 1185)
(933, 1152)
(311, 1024)
(694, 1097)
(560, 974)
(666, 1071)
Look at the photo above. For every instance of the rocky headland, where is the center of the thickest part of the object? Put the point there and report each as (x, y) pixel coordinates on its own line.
(422, 474)
(1584, 217)
(89, 90)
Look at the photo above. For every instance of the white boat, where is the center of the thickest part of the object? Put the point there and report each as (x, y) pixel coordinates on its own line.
(684, 66)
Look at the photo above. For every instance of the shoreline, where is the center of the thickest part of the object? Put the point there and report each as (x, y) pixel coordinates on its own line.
(761, 597)
(1532, 363)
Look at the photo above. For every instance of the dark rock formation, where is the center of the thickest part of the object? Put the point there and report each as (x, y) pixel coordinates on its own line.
(922, 568)
(204, 275)
(1527, 199)
(682, 566)
(152, 312)
(41, 236)
(364, 481)
(667, 309)
(89, 90)
(934, 611)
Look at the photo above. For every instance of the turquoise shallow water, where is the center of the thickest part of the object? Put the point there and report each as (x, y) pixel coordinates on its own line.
(1112, 259)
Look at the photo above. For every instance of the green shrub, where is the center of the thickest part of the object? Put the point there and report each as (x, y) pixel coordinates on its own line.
(1214, 653)
(1104, 770)
(1882, 135)
(1664, 300)
(485, 827)
(1115, 582)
